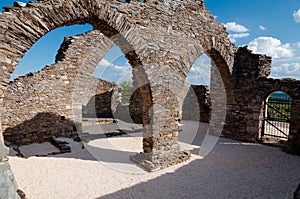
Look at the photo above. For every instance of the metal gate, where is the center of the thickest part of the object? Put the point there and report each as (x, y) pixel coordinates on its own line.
(277, 117)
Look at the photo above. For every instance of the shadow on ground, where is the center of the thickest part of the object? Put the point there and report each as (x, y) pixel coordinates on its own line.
(232, 170)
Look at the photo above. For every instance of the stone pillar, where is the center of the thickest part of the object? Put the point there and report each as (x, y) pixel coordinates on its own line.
(160, 146)
(218, 102)
(294, 135)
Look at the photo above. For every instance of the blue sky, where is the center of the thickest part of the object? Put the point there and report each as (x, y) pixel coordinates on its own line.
(267, 26)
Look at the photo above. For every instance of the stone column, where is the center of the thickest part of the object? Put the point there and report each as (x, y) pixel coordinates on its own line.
(294, 135)
(218, 102)
(160, 146)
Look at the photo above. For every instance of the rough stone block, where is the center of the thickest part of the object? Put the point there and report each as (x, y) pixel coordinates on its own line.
(8, 187)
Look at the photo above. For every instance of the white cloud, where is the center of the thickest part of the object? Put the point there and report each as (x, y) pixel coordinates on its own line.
(235, 36)
(296, 16)
(298, 44)
(200, 72)
(262, 27)
(240, 35)
(111, 72)
(234, 27)
(272, 47)
(124, 68)
(286, 70)
(104, 63)
(238, 31)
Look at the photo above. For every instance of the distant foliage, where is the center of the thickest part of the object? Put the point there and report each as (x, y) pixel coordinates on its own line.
(279, 109)
(127, 88)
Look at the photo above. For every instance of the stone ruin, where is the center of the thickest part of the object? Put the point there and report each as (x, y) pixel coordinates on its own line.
(161, 39)
(39, 105)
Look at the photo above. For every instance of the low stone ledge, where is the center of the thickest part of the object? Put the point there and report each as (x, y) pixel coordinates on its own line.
(145, 162)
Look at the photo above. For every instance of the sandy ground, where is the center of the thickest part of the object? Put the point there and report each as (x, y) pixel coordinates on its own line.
(102, 170)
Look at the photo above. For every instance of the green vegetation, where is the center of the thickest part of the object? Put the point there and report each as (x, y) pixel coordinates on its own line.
(127, 88)
(279, 110)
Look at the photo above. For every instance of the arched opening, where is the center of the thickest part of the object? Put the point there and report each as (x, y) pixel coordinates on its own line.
(115, 68)
(210, 102)
(198, 94)
(36, 102)
(195, 111)
(82, 68)
(108, 132)
(108, 27)
(277, 117)
(114, 74)
(44, 51)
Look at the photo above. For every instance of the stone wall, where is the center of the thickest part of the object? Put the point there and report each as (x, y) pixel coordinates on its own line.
(198, 96)
(136, 106)
(105, 102)
(244, 110)
(242, 119)
(46, 106)
(162, 40)
(252, 88)
(40, 105)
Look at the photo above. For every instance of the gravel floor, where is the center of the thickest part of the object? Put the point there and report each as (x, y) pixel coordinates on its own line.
(102, 169)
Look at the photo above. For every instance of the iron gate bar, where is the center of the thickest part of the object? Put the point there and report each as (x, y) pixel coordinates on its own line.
(277, 111)
(277, 129)
(276, 123)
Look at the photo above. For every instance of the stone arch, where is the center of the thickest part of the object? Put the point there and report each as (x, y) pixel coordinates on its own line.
(219, 49)
(27, 25)
(226, 73)
(24, 26)
(154, 36)
(55, 89)
(279, 88)
(221, 53)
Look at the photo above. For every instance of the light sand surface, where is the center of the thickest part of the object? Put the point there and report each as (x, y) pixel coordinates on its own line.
(232, 169)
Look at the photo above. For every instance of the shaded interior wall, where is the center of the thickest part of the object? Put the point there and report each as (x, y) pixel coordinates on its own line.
(39, 106)
(36, 107)
(136, 106)
(197, 96)
(105, 103)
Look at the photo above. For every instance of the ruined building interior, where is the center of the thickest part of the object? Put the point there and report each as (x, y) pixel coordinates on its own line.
(161, 43)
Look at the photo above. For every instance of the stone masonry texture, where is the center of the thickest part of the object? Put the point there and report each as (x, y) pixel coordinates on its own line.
(39, 105)
(161, 39)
